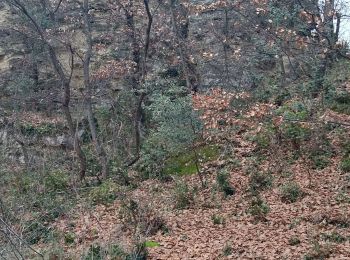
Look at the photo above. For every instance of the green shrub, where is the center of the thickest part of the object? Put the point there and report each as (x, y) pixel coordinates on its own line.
(343, 197)
(293, 241)
(295, 132)
(138, 253)
(293, 111)
(55, 251)
(320, 161)
(93, 166)
(56, 181)
(258, 208)
(95, 253)
(140, 217)
(345, 164)
(222, 180)
(105, 193)
(26, 183)
(320, 150)
(259, 181)
(183, 195)
(103, 114)
(35, 231)
(116, 252)
(334, 237)
(339, 221)
(281, 97)
(262, 140)
(319, 252)
(290, 130)
(176, 127)
(345, 145)
(218, 220)
(69, 238)
(241, 104)
(227, 250)
(291, 192)
(341, 103)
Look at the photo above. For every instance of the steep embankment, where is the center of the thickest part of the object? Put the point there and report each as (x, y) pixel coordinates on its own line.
(285, 205)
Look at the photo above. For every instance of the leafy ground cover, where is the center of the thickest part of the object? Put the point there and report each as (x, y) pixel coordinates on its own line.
(300, 212)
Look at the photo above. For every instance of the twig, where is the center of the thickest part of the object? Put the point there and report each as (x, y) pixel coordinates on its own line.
(16, 235)
(13, 246)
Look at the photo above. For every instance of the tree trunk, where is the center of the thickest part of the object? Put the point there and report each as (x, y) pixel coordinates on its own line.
(185, 69)
(140, 72)
(102, 156)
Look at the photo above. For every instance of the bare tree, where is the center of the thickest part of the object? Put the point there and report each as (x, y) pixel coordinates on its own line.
(139, 57)
(60, 72)
(180, 30)
(88, 92)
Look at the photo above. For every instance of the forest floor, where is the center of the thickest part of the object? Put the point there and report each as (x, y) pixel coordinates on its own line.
(214, 226)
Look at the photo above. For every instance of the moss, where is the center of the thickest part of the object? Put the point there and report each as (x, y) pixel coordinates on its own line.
(185, 164)
(151, 244)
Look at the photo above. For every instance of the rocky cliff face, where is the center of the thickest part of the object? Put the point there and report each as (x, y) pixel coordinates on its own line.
(216, 61)
(8, 51)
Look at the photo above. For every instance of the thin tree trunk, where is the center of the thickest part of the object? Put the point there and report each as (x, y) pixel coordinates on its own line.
(142, 96)
(283, 70)
(140, 73)
(180, 47)
(88, 102)
(226, 46)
